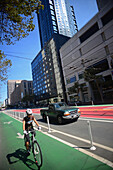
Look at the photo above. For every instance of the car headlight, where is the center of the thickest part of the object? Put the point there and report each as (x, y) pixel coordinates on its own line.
(66, 114)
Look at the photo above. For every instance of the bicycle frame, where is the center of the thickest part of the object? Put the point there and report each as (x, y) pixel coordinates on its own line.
(36, 152)
(32, 137)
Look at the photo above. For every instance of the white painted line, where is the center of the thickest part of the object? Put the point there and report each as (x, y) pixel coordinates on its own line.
(101, 159)
(8, 122)
(97, 120)
(20, 136)
(85, 140)
(108, 108)
(109, 163)
(81, 139)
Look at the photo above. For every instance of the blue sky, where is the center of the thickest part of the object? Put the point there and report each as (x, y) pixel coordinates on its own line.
(30, 46)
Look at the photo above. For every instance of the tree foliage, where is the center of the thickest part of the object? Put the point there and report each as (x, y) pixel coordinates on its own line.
(16, 18)
(16, 21)
(4, 65)
(29, 98)
(90, 75)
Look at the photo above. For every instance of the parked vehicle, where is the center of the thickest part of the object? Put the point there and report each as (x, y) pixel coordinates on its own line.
(61, 112)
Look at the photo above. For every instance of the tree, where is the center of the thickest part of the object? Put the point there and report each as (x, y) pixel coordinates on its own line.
(16, 18)
(28, 99)
(4, 65)
(16, 21)
(75, 89)
(90, 75)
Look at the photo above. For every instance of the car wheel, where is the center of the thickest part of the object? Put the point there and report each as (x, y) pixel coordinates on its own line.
(59, 120)
(44, 118)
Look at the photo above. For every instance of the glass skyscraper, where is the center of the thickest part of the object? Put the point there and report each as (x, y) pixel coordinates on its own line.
(57, 24)
(46, 70)
(57, 17)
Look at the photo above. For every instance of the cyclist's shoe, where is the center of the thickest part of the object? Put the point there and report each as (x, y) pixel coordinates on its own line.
(29, 147)
(39, 128)
(28, 152)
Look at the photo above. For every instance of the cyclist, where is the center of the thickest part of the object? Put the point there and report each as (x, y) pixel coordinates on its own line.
(28, 126)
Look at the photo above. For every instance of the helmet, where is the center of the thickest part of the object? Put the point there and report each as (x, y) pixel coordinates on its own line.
(29, 112)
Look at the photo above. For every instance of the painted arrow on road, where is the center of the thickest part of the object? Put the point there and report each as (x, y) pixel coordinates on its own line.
(20, 136)
(8, 122)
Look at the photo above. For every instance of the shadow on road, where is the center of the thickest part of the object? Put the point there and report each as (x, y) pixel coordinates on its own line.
(54, 122)
(20, 155)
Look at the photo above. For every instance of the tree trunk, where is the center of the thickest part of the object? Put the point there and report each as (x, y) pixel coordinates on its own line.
(99, 91)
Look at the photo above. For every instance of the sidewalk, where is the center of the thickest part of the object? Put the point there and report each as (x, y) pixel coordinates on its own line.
(56, 155)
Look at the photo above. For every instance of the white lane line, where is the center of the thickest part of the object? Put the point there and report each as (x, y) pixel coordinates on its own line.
(97, 120)
(99, 158)
(81, 139)
(85, 140)
(109, 163)
(108, 108)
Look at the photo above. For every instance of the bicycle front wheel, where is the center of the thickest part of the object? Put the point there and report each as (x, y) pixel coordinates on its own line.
(37, 154)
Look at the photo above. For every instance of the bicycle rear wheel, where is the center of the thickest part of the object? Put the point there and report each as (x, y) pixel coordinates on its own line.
(37, 154)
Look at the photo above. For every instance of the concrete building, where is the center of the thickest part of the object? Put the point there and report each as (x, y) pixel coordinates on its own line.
(90, 47)
(17, 89)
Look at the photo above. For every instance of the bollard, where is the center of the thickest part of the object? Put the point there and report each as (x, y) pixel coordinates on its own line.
(91, 138)
(48, 124)
(19, 115)
(92, 102)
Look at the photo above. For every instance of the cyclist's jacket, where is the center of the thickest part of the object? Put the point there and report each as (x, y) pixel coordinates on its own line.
(29, 122)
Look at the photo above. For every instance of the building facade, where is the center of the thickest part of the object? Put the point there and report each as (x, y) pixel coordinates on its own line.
(57, 18)
(90, 48)
(57, 23)
(47, 73)
(17, 89)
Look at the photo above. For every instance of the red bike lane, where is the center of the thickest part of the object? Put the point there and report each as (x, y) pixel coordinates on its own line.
(101, 112)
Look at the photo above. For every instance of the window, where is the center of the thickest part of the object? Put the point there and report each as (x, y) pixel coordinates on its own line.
(100, 66)
(24, 84)
(73, 79)
(89, 32)
(81, 76)
(107, 17)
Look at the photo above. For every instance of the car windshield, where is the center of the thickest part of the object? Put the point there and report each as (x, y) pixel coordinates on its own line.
(58, 105)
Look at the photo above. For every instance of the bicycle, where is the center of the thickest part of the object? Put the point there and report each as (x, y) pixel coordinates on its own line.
(36, 150)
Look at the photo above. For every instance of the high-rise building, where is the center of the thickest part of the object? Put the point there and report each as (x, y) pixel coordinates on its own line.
(57, 23)
(57, 17)
(47, 72)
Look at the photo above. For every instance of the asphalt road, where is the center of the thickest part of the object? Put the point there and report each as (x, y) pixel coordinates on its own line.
(77, 133)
